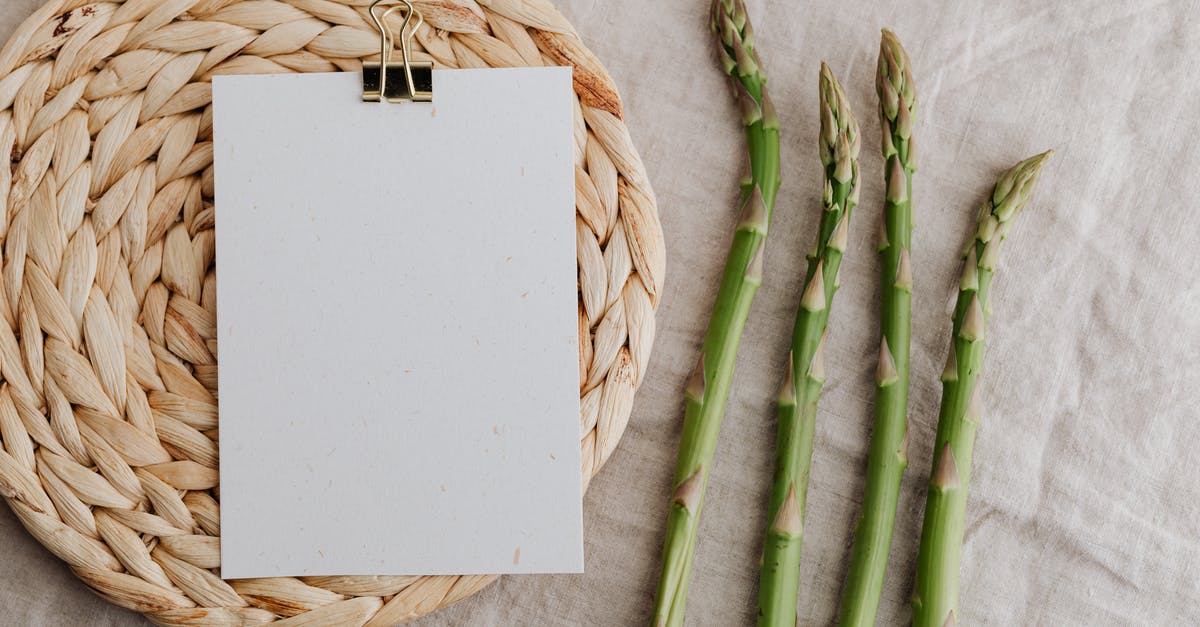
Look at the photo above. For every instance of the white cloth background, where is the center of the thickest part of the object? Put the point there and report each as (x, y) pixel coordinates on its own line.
(1085, 500)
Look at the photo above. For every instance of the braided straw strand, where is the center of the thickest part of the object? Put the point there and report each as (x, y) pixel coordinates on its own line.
(108, 350)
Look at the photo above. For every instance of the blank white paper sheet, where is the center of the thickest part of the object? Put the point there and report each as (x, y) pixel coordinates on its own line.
(396, 302)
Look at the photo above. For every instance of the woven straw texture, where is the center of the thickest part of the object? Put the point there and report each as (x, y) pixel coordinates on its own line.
(108, 355)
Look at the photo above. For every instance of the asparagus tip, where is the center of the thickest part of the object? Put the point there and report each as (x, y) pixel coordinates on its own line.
(945, 474)
(735, 47)
(826, 75)
(897, 97)
(1016, 184)
(888, 36)
(787, 520)
(894, 64)
(839, 138)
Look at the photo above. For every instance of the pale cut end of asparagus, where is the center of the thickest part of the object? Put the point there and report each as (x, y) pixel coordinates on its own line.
(945, 475)
(688, 493)
(787, 520)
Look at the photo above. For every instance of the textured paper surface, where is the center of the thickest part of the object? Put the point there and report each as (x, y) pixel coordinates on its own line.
(396, 301)
(1085, 500)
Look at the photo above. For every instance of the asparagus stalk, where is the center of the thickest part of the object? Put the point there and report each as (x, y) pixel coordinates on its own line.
(889, 444)
(935, 601)
(839, 148)
(708, 387)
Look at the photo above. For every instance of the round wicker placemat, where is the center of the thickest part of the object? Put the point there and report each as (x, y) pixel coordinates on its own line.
(107, 410)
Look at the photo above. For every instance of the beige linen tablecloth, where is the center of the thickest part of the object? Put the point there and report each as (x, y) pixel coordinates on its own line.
(1085, 503)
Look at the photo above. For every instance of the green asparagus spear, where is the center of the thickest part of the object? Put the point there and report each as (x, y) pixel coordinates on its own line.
(889, 444)
(709, 385)
(935, 601)
(839, 147)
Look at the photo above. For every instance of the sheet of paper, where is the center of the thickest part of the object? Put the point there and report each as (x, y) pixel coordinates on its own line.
(398, 364)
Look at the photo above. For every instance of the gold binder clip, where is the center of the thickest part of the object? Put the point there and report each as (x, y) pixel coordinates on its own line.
(397, 82)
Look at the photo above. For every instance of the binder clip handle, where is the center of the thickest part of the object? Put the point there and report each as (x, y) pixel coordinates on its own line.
(391, 81)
